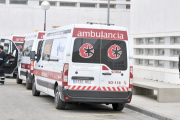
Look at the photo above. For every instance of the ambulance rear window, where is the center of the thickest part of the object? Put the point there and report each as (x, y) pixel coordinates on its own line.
(86, 50)
(112, 53)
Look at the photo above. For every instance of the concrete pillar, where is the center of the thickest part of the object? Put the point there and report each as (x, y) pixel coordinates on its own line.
(7, 2)
(58, 4)
(78, 4)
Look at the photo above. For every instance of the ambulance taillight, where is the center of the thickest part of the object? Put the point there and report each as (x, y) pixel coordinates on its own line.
(65, 74)
(32, 67)
(131, 78)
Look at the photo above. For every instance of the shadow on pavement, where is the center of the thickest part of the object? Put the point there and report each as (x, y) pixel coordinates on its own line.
(90, 107)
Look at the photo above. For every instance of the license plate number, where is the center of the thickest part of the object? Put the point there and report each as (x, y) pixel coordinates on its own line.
(81, 81)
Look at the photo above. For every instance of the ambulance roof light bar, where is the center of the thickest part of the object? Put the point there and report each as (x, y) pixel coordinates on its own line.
(91, 23)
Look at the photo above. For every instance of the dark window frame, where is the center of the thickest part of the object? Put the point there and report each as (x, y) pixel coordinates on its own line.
(113, 64)
(46, 57)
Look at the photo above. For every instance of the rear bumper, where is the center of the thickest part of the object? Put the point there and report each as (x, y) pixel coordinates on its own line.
(109, 98)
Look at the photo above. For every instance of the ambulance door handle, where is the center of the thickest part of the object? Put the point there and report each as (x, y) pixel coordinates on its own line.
(41, 66)
(106, 73)
(38, 65)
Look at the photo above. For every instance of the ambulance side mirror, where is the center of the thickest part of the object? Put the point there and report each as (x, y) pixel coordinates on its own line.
(32, 55)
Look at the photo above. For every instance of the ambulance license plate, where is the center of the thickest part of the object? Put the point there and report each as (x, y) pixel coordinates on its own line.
(82, 81)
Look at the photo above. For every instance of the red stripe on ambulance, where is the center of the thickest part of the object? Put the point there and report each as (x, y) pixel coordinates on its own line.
(25, 66)
(18, 39)
(48, 74)
(79, 87)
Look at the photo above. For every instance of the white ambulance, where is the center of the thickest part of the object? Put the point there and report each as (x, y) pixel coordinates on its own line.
(25, 68)
(85, 63)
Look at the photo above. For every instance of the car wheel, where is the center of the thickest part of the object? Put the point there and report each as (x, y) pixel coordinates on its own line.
(28, 84)
(34, 90)
(118, 106)
(59, 104)
(18, 80)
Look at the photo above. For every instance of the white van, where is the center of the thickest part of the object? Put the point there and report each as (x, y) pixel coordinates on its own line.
(25, 68)
(85, 63)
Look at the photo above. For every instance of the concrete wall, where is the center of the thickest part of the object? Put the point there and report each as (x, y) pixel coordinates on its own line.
(22, 19)
(154, 19)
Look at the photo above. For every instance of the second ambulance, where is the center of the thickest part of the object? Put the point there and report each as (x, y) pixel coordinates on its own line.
(32, 40)
(85, 64)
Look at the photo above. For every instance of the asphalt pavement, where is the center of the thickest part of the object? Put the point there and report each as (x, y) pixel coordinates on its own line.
(17, 103)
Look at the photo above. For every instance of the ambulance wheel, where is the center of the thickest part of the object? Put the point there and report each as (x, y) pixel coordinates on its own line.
(28, 84)
(18, 80)
(59, 104)
(34, 90)
(118, 106)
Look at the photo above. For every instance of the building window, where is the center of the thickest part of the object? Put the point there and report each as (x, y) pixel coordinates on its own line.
(52, 3)
(150, 51)
(139, 41)
(139, 51)
(139, 61)
(18, 2)
(150, 62)
(150, 41)
(87, 5)
(176, 52)
(128, 6)
(175, 65)
(103, 0)
(105, 6)
(2, 1)
(161, 41)
(176, 40)
(160, 52)
(67, 4)
(160, 63)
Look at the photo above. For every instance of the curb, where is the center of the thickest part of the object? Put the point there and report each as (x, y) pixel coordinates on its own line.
(146, 112)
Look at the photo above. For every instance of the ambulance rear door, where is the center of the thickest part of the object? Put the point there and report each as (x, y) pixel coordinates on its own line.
(84, 66)
(114, 76)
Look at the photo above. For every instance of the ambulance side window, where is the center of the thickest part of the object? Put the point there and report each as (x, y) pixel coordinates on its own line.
(47, 50)
(39, 50)
(13, 50)
(27, 48)
(7, 46)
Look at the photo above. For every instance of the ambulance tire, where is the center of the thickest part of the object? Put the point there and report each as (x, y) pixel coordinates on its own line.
(28, 84)
(118, 106)
(34, 90)
(59, 104)
(18, 80)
